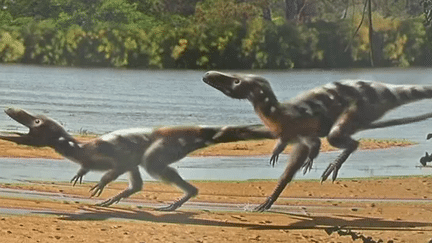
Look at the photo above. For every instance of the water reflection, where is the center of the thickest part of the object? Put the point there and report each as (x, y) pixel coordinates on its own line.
(389, 162)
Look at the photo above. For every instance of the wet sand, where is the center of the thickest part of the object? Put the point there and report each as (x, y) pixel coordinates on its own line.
(388, 221)
(356, 205)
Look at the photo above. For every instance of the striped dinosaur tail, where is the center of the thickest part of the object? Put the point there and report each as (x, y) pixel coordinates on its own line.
(392, 96)
(402, 94)
(240, 133)
(377, 98)
(397, 122)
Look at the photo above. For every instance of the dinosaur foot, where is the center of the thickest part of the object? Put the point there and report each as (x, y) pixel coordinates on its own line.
(264, 206)
(332, 168)
(169, 208)
(108, 202)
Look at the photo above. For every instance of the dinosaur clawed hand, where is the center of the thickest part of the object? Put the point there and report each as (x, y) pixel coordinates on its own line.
(307, 166)
(273, 160)
(76, 178)
(96, 190)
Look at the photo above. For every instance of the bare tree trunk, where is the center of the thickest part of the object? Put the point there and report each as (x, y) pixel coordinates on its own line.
(290, 9)
(267, 13)
(372, 57)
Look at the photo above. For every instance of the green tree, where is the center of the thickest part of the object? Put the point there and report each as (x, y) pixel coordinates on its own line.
(11, 46)
(228, 34)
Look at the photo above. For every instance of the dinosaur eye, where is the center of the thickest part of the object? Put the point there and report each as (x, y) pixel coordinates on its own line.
(37, 121)
(237, 81)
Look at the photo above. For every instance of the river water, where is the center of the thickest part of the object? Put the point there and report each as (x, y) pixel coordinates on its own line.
(103, 100)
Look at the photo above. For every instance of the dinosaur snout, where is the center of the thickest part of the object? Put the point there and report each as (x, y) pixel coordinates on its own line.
(9, 110)
(208, 75)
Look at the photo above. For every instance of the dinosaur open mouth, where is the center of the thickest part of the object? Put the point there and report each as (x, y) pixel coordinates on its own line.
(207, 80)
(214, 85)
(21, 117)
(6, 135)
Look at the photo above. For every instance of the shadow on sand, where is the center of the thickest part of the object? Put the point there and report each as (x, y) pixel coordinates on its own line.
(294, 221)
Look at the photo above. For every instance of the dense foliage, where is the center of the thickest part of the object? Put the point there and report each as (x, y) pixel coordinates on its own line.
(224, 34)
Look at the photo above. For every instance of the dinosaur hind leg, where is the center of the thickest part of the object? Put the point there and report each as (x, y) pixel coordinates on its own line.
(298, 156)
(340, 137)
(135, 185)
(156, 161)
(170, 175)
(349, 146)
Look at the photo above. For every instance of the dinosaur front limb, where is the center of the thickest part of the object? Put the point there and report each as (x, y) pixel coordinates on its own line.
(278, 149)
(170, 175)
(336, 165)
(314, 148)
(340, 137)
(79, 176)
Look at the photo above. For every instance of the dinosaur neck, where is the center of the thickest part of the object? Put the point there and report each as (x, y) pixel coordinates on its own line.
(69, 147)
(266, 106)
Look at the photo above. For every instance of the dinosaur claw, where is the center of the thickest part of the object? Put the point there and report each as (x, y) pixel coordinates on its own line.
(331, 168)
(108, 202)
(334, 176)
(76, 178)
(307, 166)
(168, 208)
(324, 176)
(429, 136)
(264, 206)
(96, 190)
(274, 159)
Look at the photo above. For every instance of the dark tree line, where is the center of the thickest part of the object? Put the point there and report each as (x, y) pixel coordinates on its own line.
(239, 34)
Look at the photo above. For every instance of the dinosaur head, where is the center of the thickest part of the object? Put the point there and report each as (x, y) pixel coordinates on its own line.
(238, 86)
(43, 130)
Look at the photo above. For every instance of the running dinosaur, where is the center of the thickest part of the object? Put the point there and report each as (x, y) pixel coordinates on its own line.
(124, 151)
(336, 110)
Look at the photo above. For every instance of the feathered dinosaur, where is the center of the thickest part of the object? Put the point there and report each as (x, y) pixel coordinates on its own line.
(123, 151)
(336, 110)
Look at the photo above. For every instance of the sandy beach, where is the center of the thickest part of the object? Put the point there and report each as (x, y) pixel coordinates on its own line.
(395, 209)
